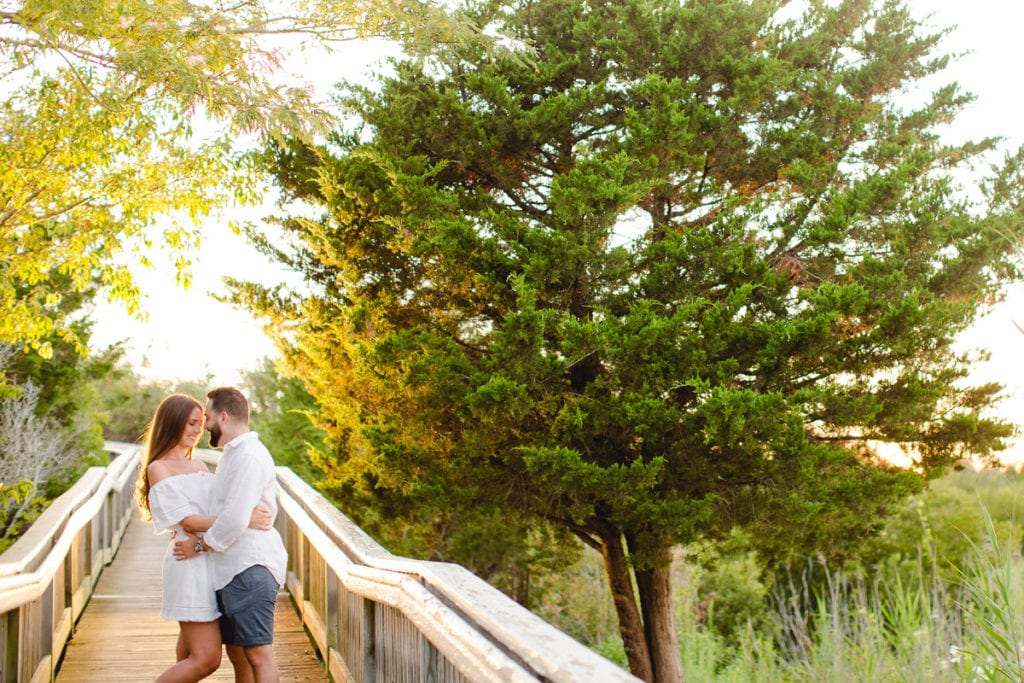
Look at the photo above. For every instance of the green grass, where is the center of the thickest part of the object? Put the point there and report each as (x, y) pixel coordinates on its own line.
(858, 628)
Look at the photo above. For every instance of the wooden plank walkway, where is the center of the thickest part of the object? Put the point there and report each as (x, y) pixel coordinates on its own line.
(121, 637)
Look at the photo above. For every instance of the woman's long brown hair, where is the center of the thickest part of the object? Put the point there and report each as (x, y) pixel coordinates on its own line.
(162, 434)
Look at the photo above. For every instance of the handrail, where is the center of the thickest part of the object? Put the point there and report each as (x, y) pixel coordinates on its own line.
(48, 575)
(80, 501)
(371, 615)
(450, 618)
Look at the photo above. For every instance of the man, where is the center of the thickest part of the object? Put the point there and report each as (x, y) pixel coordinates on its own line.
(248, 564)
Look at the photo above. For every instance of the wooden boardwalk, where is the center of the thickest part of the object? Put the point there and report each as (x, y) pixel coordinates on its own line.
(121, 637)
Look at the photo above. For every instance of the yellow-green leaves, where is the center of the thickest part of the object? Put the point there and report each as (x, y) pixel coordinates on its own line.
(121, 118)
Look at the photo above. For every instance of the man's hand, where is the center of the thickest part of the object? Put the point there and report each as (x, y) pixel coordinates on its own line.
(261, 519)
(185, 548)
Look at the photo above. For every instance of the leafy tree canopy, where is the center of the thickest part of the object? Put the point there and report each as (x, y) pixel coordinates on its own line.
(99, 135)
(682, 274)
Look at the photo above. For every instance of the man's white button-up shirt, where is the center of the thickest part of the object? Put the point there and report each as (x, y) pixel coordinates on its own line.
(245, 479)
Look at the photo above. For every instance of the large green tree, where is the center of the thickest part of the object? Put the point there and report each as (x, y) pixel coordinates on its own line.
(686, 272)
(120, 124)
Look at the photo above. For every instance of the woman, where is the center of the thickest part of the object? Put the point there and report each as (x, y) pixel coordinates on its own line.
(172, 487)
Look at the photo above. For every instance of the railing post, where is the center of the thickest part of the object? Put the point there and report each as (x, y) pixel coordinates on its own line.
(429, 667)
(10, 624)
(107, 527)
(47, 624)
(302, 572)
(369, 641)
(332, 617)
(92, 547)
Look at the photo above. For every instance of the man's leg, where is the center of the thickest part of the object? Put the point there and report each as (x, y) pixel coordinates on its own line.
(239, 662)
(261, 659)
(247, 607)
(236, 653)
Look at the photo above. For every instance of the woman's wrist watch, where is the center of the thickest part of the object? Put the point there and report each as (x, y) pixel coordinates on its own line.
(198, 545)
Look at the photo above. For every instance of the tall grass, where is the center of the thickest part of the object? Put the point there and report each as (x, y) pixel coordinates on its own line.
(857, 628)
(864, 629)
(993, 603)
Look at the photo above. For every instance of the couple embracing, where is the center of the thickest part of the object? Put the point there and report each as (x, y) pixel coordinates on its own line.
(222, 569)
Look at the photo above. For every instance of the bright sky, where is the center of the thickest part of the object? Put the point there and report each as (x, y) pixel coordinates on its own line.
(189, 335)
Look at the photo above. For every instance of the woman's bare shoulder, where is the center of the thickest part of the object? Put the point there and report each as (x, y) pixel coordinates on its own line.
(157, 470)
(162, 469)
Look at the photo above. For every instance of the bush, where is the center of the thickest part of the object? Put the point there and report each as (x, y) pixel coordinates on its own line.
(38, 454)
(578, 601)
(19, 507)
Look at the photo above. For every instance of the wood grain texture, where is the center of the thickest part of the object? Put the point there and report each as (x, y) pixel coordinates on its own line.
(121, 636)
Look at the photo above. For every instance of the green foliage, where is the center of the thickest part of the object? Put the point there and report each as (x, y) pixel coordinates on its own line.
(680, 275)
(279, 410)
(994, 606)
(958, 619)
(61, 405)
(126, 400)
(20, 505)
(940, 527)
(856, 628)
(577, 601)
(117, 117)
(41, 455)
(938, 591)
(732, 589)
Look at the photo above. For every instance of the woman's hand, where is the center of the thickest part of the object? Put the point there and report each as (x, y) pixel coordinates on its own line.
(261, 519)
(184, 548)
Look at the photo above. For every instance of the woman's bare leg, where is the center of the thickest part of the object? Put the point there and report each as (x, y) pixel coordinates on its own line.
(202, 643)
(181, 648)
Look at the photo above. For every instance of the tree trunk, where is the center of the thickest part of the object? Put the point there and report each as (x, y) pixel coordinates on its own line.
(519, 585)
(631, 626)
(655, 588)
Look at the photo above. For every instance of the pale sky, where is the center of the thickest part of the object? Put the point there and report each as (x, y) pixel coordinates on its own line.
(189, 335)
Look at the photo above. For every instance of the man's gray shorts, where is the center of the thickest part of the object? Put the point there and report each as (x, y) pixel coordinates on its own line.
(247, 608)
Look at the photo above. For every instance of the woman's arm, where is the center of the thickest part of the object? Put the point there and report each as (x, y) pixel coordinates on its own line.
(259, 519)
(196, 523)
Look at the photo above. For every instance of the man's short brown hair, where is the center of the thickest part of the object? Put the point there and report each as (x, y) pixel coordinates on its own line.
(231, 401)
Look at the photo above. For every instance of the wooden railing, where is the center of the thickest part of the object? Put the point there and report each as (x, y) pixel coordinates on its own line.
(378, 617)
(48, 575)
(372, 616)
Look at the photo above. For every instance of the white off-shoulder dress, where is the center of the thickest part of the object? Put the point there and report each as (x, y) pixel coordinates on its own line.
(188, 584)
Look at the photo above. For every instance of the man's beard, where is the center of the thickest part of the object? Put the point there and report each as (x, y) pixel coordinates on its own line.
(214, 436)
